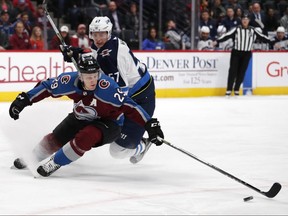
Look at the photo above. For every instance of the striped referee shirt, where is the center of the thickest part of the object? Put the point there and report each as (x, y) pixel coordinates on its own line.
(243, 37)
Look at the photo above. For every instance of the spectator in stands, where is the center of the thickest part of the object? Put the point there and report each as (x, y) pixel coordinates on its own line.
(152, 41)
(116, 18)
(217, 9)
(257, 17)
(238, 13)
(4, 41)
(230, 21)
(81, 39)
(122, 5)
(233, 4)
(132, 19)
(5, 25)
(101, 4)
(205, 42)
(173, 35)
(28, 3)
(225, 45)
(36, 39)
(271, 22)
(284, 20)
(55, 42)
(24, 17)
(280, 41)
(206, 20)
(41, 18)
(204, 5)
(221, 18)
(22, 6)
(6, 5)
(19, 40)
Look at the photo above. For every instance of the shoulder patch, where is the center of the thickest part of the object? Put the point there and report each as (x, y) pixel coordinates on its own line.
(65, 79)
(104, 84)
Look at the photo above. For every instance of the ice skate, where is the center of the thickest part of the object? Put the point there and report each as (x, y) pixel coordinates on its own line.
(19, 163)
(228, 94)
(48, 168)
(136, 158)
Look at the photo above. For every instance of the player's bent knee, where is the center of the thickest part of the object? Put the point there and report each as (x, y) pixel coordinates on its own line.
(119, 152)
(88, 137)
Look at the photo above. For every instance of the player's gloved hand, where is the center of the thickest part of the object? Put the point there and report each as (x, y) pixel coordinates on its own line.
(154, 131)
(18, 105)
(69, 52)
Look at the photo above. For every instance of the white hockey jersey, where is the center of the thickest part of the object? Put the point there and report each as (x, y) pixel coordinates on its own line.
(117, 61)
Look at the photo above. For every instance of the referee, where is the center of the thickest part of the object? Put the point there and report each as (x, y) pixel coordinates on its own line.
(243, 37)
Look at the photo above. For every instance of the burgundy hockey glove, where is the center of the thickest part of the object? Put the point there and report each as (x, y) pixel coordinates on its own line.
(154, 131)
(18, 105)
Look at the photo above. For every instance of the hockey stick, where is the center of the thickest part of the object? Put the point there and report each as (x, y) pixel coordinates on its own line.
(274, 190)
(44, 4)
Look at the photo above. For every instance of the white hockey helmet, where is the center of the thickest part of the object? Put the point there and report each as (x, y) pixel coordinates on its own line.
(221, 29)
(100, 24)
(205, 29)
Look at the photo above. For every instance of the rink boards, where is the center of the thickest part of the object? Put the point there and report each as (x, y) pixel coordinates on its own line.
(176, 74)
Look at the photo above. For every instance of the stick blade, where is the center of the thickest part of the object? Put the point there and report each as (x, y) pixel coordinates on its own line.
(274, 190)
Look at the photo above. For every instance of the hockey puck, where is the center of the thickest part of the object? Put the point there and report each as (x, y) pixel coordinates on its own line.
(248, 198)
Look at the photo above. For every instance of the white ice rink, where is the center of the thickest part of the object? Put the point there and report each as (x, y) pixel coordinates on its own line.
(246, 137)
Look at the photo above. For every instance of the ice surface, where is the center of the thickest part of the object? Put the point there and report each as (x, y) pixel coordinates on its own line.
(246, 137)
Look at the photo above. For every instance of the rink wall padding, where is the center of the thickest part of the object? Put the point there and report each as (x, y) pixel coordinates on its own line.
(176, 73)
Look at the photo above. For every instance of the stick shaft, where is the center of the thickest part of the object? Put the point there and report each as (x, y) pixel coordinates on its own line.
(44, 4)
(271, 193)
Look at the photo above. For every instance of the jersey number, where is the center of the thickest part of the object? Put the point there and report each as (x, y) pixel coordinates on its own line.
(54, 84)
(64, 80)
(115, 76)
(119, 95)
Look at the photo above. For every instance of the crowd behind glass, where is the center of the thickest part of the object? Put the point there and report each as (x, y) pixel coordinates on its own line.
(22, 23)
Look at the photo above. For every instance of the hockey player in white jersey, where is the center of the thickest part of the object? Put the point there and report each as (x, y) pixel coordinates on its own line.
(205, 42)
(225, 45)
(117, 61)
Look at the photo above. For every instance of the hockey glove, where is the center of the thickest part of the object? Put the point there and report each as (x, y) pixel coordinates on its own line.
(18, 105)
(154, 131)
(69, 52)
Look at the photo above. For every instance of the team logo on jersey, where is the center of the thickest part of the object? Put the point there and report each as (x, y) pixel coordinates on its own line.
(105, 52)
(65, 79)
(84, 112)
(104, 84)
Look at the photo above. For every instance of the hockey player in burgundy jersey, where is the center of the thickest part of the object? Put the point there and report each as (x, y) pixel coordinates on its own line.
(118, 62)
(99, 110)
